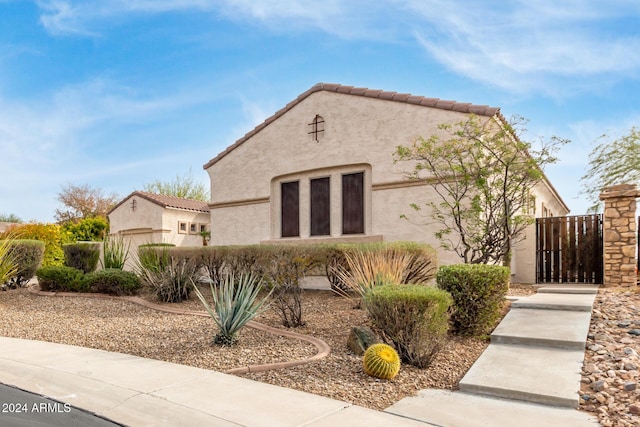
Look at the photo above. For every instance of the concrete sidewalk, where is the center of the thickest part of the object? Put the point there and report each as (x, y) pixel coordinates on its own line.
(528, 376)
(143, 392)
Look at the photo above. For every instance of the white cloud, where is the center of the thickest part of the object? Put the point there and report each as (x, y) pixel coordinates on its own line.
(525, 46)
(53, 140)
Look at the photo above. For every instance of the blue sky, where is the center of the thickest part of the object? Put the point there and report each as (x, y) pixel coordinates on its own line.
(118, 93)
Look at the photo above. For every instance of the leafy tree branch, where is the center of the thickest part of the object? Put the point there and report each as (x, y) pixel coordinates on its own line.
(483, 174)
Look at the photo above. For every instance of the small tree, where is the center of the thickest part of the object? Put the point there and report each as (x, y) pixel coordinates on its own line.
(182, 186)
(10, 218)
(612, 162)
(483, 174)
(83, 201)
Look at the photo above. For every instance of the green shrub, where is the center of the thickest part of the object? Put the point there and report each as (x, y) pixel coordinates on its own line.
(60, 278)
(478, 293)
(83, 256)
(114, 252)
(27, 255)
(112, 281)
(234, 304)
(8, 267)
(87, 229)
(415, 318)
(283, 267)
(154, 256)
(50, 234)
(245, 259)
(212, 259)
(171, 281)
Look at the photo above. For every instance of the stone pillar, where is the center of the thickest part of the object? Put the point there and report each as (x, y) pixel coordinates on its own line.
(620, 235)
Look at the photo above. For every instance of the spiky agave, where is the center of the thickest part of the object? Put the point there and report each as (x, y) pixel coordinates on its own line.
(235, 302)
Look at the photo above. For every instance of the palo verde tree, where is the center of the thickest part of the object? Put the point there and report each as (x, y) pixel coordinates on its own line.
(83, 201)
(184, 187)
(612, 162)
(483, 174)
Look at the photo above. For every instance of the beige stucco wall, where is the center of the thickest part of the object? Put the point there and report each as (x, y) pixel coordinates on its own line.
(523, 266)
(360, 135)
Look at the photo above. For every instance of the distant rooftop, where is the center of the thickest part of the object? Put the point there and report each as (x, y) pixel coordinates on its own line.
(168, 202)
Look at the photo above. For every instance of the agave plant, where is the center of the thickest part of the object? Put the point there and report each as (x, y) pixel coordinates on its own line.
(234, 304)
(115, 252)
(8, 267)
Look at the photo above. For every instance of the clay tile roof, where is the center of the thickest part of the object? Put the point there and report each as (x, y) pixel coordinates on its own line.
(168, 202)
(481, 110)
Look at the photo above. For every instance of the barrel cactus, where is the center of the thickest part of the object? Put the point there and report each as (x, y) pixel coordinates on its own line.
(381, 361)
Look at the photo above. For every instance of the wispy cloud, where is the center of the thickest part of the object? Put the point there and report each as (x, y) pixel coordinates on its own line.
(521, 46)
(353, 19)
(54, 139)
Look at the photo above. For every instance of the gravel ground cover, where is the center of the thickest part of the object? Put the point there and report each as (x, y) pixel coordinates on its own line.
(121, 326)
(610, 378)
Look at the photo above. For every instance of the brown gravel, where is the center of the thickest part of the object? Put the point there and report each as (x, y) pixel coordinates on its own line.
(121, 326)
(610, 377)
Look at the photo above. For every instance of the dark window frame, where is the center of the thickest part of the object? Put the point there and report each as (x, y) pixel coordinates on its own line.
(320, 206)
(290, 209)
(353, 210)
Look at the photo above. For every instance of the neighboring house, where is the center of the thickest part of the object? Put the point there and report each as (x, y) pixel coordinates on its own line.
(4, 226)
(322, 170)
(143, 218)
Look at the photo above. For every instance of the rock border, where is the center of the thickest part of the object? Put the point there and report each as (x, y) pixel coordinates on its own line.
(323, 348)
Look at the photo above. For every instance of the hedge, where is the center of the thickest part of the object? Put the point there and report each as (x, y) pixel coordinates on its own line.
(478, 293)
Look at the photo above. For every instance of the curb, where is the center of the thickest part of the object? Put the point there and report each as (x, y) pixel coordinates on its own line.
(323, 348)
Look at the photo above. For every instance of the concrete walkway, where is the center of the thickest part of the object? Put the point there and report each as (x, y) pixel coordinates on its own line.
(528, 376)
(530, 372)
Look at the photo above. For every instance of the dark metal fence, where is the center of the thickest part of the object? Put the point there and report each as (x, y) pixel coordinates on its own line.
(569, 249)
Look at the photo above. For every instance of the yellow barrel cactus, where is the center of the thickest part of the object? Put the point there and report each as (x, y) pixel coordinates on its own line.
(381, 361)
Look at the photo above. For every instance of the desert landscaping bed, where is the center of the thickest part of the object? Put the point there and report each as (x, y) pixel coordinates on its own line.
(121, 326)
(610, 378)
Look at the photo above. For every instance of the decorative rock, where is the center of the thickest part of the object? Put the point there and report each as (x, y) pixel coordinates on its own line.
(360, 339)
(630, 386)
(630, 367)
(634, 409)
(599, 385)
(635, 332)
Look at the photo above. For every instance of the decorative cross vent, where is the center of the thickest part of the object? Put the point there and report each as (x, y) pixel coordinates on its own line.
(317, 128)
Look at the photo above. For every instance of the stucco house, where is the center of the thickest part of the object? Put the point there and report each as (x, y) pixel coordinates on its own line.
(321, 169)
(144, 217)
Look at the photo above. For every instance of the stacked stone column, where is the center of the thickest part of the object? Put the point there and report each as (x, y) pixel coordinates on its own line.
(620, 235)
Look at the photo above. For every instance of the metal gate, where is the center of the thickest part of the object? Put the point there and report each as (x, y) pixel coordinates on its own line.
(569, 249)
